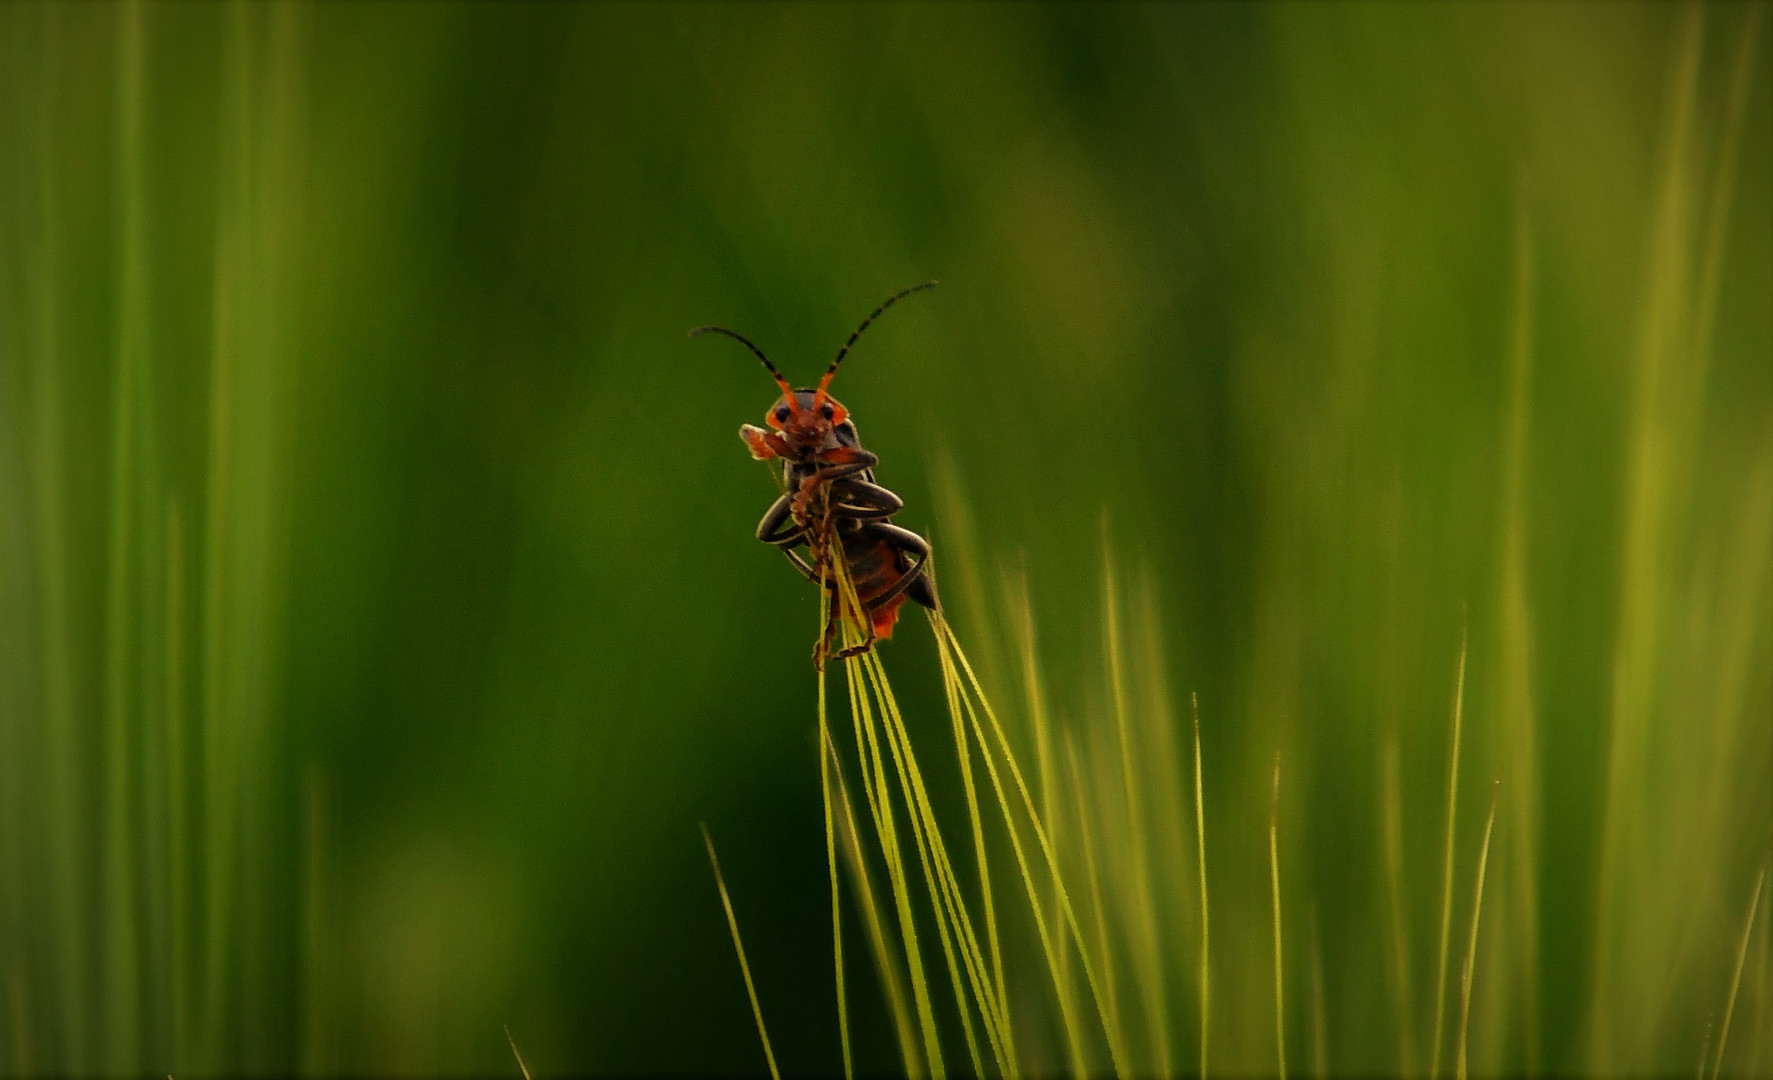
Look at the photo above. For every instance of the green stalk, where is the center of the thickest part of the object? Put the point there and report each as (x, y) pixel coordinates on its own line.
(1280, 1005)
(1440, 977)
(732, 923)
(1200, 847)
(1477, 907)
(1748, 926)
(843, 1015)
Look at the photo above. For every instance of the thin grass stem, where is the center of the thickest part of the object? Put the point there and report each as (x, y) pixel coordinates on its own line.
(1017, 594)
(523, 1068)
(732, 923)
(1748, 926)
(985, 898)
(1477, 907)
(915, 815)
(945, 900)
(1200, 848)
(1440, 976)
(1762, 1006)
(1040, 834)
(843, 1015)
(1146, 955)
(1704, 1049)
(889, 842)
(883, 958)
(1092, 879)
(1280, 1003)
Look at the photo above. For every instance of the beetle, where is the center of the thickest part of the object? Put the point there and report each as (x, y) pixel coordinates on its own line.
(829, 493)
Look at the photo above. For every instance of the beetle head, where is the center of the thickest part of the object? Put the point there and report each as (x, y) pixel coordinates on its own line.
(806, 422)
(808, 419)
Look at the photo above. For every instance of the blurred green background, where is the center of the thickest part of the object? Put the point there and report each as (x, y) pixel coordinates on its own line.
(379, 610)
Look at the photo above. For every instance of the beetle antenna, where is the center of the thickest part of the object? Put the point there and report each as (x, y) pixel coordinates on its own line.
(819, 399)
(787, 391)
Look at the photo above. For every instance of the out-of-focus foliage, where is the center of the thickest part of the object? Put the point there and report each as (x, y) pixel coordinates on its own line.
(379, 610)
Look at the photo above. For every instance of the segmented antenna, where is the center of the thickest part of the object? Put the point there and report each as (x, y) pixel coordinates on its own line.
(787, 391)
(819, 398)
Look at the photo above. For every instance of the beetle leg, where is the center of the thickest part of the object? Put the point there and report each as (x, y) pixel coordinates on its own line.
(905, 540)
(805, 568)
(860, 500)
(842, 461)
(776, 528)
(866, 643)
(763, 445)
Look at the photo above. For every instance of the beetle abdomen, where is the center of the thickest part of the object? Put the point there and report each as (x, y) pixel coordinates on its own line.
(875, 566)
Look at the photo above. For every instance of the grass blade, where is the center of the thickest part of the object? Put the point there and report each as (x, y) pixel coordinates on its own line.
(891, 984)
(1280, 1004)
(843, 1015)
(523, 1068)
(1477, 907)
(946, 634)
(1148, 949)
(1200, 847)
(1440, 971)
(732, 923)
(1748, 926)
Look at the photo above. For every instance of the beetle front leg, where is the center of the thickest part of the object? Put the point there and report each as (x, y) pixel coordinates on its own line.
(763, 445)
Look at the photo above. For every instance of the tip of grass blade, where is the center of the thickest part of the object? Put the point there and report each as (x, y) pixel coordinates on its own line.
(521, 1067)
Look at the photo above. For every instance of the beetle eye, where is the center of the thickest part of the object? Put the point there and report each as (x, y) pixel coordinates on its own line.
(828, 412)
(781, 412)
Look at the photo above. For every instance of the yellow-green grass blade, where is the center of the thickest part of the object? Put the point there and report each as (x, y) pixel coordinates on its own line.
(732, 923)
(986, 901)
(1762, 1006)
(1003, 748)
(885, 964)
(953, 902)
(931, 860)
(1200, 848)
(1280, 1000)
(1440, 971)
(522, 1066)
(843, 1014)
(1021, 607)
(946, 899)
(1081, 798)
(992, 1000)
(1748, 926)
(886, 831)
(946, 903)
(914, 813)
(1477, 907)
(1146, 947)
